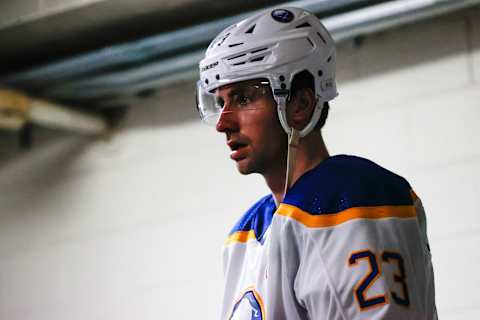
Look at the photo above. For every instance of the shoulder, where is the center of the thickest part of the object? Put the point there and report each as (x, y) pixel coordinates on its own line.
(254, 222)
(342, 182)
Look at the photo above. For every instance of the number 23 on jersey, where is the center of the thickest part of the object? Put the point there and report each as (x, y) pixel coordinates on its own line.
(360, 291)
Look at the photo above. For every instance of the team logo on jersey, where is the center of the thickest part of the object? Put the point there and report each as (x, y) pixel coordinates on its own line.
(282, 15)
(248, 307)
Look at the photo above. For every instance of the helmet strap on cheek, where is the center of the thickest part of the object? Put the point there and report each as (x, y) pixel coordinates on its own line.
(293, 143)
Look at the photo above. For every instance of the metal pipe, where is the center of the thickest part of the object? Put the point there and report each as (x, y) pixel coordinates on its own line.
(16, 109)
(57, 116)
(152, 47)
(342, 27)
(389, 15)
(13, 109)
(141, 78)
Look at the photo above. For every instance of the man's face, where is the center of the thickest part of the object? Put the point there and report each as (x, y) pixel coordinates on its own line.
(250, 122)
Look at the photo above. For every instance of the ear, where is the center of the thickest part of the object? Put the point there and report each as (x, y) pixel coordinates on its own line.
(300, 108)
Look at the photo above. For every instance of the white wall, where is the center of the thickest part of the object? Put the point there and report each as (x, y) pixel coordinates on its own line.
(131, 227)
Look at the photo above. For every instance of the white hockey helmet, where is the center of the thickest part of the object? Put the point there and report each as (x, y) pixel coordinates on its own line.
(274, 45)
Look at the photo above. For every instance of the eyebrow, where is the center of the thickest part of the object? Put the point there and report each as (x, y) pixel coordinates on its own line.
(236, 91)
(241, 88)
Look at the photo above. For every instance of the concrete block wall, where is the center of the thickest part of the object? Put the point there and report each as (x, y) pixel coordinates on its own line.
(132, 227)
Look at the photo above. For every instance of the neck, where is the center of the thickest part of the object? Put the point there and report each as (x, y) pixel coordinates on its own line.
(311, 151)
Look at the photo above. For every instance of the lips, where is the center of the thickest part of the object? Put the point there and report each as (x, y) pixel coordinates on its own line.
(238, 150)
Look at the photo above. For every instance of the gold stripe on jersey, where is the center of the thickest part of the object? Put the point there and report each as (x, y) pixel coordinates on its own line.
(240, 236)
(413, 195)
(334, 219)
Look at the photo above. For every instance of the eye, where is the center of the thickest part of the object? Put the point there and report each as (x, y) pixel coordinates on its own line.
(219, 102)
(243, 100)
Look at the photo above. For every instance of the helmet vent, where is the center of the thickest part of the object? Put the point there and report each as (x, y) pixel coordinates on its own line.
(303, 25)
(235, 44)
(248, 57)
(321, 37)
(220, 42)
(257, 59)
(250, 30)
(258, 50)
(311, 43)
(237, 56)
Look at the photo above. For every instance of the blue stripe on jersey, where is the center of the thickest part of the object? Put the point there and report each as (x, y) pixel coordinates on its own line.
(257, 218)
(342, 182)
(336, 184)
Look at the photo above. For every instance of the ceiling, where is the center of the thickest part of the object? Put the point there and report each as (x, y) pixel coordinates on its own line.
(68, 52)
(40, 35)
(92, 54)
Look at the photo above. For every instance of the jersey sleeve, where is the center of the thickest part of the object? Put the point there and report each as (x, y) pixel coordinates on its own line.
(429, 275)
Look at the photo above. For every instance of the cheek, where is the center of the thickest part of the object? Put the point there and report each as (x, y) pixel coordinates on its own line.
(267, 134)
(263, 127)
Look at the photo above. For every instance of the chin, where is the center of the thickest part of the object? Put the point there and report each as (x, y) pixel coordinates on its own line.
(245, 167)
(243, 170)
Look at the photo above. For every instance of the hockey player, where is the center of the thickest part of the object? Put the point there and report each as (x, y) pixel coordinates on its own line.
(339, 237)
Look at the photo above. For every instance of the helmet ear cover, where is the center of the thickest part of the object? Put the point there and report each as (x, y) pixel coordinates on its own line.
(305, 81)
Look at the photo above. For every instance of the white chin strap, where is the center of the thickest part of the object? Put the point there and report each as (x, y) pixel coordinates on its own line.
(293, 143)
(294, 135)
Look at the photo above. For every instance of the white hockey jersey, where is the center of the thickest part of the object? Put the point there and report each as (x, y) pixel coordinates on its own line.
(348, 242)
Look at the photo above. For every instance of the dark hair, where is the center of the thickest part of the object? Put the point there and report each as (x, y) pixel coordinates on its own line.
(302, 80)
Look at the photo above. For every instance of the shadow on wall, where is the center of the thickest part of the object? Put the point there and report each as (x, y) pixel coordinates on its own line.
(31, 179)
(56, 146)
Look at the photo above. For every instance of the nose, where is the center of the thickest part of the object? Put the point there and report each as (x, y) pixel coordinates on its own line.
(226, 122)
